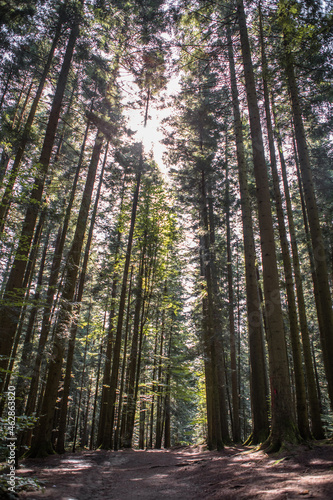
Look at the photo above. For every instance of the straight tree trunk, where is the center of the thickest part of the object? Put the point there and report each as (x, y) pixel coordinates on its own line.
(218, 340)
(5, 202)
(53, 280)
(233, 360)
(24, 367)
(109, 349)
(120, 428)
(167, 406)
(314, 223)
(152, 408)
(301, 404)
(258, 377)
(110, 335)
(210, 327)
(9, 78)
(316, 427)
(107, 437)
(283, 425)
(133, 359)
(159, 410)
(42, 440)
(81, 386)
(60, 447)
(9, 313)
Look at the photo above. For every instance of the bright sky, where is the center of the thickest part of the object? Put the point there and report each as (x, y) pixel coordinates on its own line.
(151, 135)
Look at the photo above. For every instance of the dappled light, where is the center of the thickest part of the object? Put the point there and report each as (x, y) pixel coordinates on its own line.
(189, 473)
(166, 249)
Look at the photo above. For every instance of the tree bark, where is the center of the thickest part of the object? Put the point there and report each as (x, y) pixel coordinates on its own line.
(133, 358)
(53, 279)
(9, 313)
(301, 404)
(258, 376)
(314, 223)
(283, 425)
(42, 440)
(5, 202)
(107, 437)
(233, 360)
(60, 447)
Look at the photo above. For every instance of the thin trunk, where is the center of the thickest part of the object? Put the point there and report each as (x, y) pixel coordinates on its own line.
(18, 102)
(120, 428)
(218, 340)
(84, 435)
(133, 359)
(60, 448)
(233, 360)
(210, 325)
(301, 405)
(53, 279)
(81, 387)
(9, 313)
(111, 328)
(25, 362)
(107, 437)
(93, 420)
(167, 406)
(109, 347)
(159, 412)
(314, 223)
(151, 425)
(9, 78)
(6, 199)
(142, 418)
(42, 441)
(314, 406)
(27, 287)
(25, 104)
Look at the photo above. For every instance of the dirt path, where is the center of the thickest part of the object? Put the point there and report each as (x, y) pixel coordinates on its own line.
(183, 474)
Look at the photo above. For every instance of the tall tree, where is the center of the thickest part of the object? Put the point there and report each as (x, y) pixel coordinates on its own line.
(285, 9)
(283, 426)
(259, 390)
(9, 313)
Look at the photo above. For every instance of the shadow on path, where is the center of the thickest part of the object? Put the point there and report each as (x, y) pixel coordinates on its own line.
(183, 474)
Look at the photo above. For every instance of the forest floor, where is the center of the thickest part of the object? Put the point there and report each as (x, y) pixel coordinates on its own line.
(184, 473)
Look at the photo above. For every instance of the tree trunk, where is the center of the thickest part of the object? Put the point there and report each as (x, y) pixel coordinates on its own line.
(283, 426)
(258, 377)
(24, 367)
(81, 384)
(314, 406)
(301, 405)
(159, 409)
(53, 279)
(210, 326)
(5, 202)
(120, 428)
(233, 360)
(60, 448)
(107, 437)
(313, 216)
(110, 336)
(133, 359)
(9, 313)
(42, 439)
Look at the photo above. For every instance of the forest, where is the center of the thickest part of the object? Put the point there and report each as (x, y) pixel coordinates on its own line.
(166, 237)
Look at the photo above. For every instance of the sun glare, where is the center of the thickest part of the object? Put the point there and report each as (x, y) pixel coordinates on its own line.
(151, 135)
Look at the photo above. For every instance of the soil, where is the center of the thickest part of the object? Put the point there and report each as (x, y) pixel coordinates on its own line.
(184, 473)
